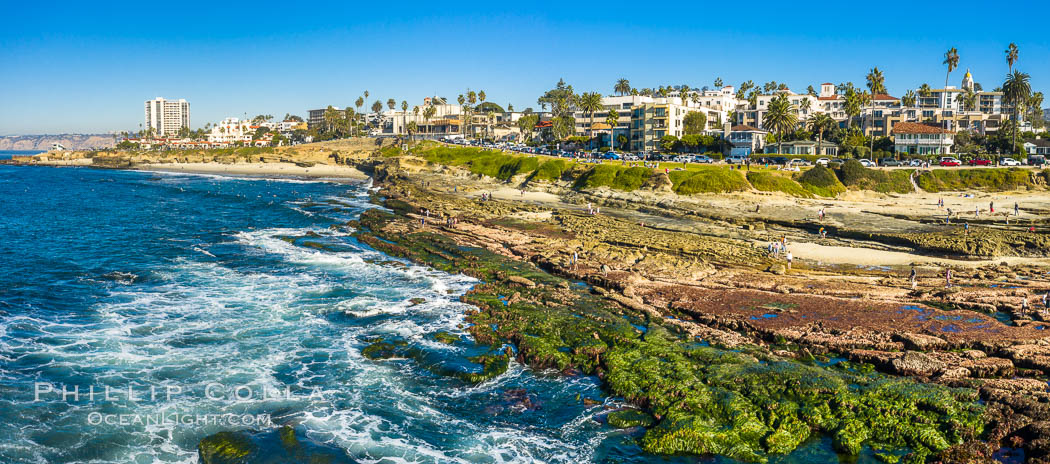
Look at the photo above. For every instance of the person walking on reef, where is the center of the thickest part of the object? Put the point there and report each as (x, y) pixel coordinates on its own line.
(1046, 301)
(575, 259)
(822, 233)
(913, 277)
(948, 277)
(1024, 305)
(991, 207)
(790, 259)
(1017, 210)
(966, 227)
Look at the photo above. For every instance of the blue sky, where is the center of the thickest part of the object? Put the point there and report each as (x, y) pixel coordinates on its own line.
(81, 68)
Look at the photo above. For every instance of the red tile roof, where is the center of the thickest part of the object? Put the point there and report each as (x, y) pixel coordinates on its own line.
(833, 97)
(917, 128)
(745, 128)
(827, 83)
(882, 96)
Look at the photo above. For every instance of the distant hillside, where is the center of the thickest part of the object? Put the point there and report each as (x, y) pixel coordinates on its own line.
(44, 142)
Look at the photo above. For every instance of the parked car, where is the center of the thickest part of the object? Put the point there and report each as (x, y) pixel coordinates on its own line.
(612, 155)
(778, 160)
(736, 159)
(980, 162)
(681, 159)
(949, 161)
(799, 162)
(890, 162)
(823, 161)
(866, 163)
(703, 159)
(916, 162)
(1009, 162)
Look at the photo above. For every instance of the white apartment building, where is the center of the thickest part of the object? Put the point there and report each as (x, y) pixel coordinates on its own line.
(644, 120)
(232, 130)
(167, 117)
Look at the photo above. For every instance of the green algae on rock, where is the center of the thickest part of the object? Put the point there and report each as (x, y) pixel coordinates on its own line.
(276, 446)
(746, 404)
(626, 418)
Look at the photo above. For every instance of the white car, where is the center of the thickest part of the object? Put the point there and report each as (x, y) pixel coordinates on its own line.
(866, 163)
(822, 161)
(916, 162)
(1009, 162)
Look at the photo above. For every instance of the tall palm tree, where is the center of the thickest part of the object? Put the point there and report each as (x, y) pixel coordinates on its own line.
(1011, 56)
(780, 117)
(428, 113)
(359, 103)
(404, 112)
(1017, 90)
(622, 87)
(820, 122)
(718, 83)
(590, 102)
(877, 86)
(951, 60)
(391, 103)
(612, 119)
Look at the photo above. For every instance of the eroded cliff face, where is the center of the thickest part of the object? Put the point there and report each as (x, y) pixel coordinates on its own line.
(45, 142)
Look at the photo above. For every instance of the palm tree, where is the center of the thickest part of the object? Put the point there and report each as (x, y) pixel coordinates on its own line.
(591, 102)
(612, 119)
(359, 103)
(718, 83)
(391, 103)
(805, 105)
(1011, 56)
(404, 112)
(428, 113)
(780, 117)
(820, 122)
(623, 86)
(924, 90)
(877, 86)
(1017, 90)
(969, 100)
(951, 59)
(908, 100)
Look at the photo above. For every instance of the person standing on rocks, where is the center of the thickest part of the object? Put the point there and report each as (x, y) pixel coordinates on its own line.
(1017, 210)
(790, 259)
(1024, 304)
(991, 207)
(948, 277)
(575, 259)
(913, 277)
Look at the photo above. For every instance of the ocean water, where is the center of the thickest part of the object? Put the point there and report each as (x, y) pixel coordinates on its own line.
(237, 298)
(6, 154)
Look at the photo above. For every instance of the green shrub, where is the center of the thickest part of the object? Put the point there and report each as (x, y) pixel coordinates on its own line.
(770, 182)
(615, 177)
(708, 179)
(992, 180)
(821, 181)
(855, 176)
(482, 162)
(550, 170)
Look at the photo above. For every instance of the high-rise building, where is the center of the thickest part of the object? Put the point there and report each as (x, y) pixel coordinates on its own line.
(167, 117)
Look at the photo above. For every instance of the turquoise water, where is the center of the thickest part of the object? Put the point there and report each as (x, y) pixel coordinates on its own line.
(239, 296)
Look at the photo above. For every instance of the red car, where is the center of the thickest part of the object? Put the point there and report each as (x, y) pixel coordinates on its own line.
(980, 162)
(950, 162)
